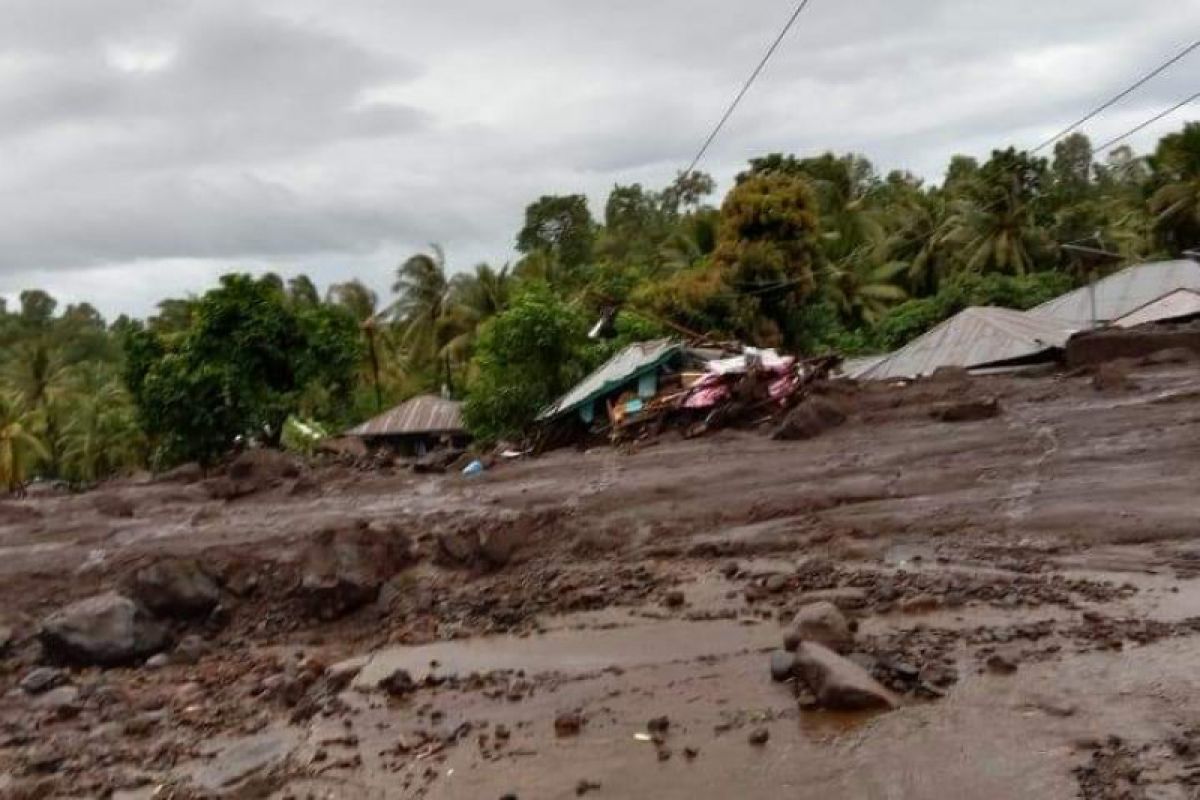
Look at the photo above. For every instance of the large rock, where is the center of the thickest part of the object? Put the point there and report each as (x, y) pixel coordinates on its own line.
(344, 569)
(838, 683)
(107, 629)
(176, 587)
(822, 623)
(437, 461)
(811, 418)
(253, 471)
(113, 505)
(967, 410)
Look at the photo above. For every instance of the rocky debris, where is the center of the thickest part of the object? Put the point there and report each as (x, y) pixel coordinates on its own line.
(674, 599)
(343, 570)
(759, 737)
(42, 679)
(184, 473)
(190, 650)
(919, 604)
(966, 410)
(659, 725)
(1113, 376)
(251, 472)
(811, 418)
(399, 683)
(62, 702)
(585, 786)
(437, 462)
(176, 587)
(1171, 355)
(107, 630)
(493, 541)
(783, 665)
(113, 505)
(838, 683)
(846, 598)
(822, 623)
(568, 723)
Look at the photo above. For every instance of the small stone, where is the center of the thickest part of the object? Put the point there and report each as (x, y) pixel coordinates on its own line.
(921, 604)
(759, 737)
(585, 786)
(42, 679)
(776, 583)
(824, 624)
(783, 665)
(690, 753)
(568, 723)
(157, 661)
(674, 599)
(838, 683)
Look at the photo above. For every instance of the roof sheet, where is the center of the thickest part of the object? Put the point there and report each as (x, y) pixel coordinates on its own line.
(423, 414)
(623, 367)
(1122, 292)
(1179, 303)
(975, 337)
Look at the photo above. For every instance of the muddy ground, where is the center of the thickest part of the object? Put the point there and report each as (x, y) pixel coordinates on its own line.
(1024, 583)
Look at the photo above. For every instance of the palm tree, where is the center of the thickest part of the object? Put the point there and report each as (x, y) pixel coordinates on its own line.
(355, 297)
(474, 298)
(19, 448)
(420, 308)
(101, 435)
(1176, 204)
(691, 242)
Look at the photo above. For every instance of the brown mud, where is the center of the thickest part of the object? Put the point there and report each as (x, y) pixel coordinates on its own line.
(1025, 583)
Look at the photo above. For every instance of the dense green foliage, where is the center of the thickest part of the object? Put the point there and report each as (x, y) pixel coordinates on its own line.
(808, 253)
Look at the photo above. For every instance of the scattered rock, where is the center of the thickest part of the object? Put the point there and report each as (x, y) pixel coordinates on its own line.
(62, 701)
(585, 786)
(759, 737)
(1000, 665)
(113, 505)
(920, 604)
(176, 587)
(344, 569)
(437, 461)
(568, 723)
(157, 661)
(659, 724)
(398, 684)
(783, 665)
(822, 623)
(107, 630)
(1113, 376)
(42, 679)
(674, 599)
(838, 683)
(845, 598)
(1171, 355)
(967, 410)
(811, 418)
(776, 583)
(190, 650)
(184, 473)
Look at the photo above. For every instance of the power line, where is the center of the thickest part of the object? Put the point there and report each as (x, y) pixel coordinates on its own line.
(1148, 122)
(1116, 98)
(746, 86)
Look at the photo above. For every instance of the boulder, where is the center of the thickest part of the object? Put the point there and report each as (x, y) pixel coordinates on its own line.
(822, 623)
(107, 630)
(113, 505)
(42, 679)
(811, 418)
(176, 587)
(838, 683)
(967, 410)
(437, 461)
(253, 471)
(783, 665)
(343, 570)
(1113, 376)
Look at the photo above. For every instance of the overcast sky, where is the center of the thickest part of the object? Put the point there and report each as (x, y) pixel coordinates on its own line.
(147, 146)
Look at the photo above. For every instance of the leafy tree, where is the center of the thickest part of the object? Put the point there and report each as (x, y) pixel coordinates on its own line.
(562, 226)
(301, 291)
(101, 435)
(240, 369)
(19, 448)
(1176, 203)
(525, 358)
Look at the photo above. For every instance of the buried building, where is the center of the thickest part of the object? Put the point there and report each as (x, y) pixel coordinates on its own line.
(416, 426)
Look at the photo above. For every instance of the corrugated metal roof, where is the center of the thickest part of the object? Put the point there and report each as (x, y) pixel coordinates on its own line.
(622, 368)
(975, 337)
(1179, 303)
(854, 367)
(423, 414)
(1122, 292)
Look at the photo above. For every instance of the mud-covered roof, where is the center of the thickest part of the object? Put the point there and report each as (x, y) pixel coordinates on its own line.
(975, 337)
(1121, 293)
(623, 367)
(423, 414)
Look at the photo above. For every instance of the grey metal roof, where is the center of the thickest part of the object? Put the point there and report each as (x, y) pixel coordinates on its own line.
(1122, 292)
(1179, 303)
(623, 367)
(854, 367)
(975, 337)
(423, 414)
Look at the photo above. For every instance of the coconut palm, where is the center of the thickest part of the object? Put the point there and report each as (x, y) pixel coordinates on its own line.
(20, 449)
(355, 297)
(1176, 204)
(422, 290)
(691, 242)
(101, 434)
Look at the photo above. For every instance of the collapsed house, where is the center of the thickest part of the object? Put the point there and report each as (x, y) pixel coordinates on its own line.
(980, 337)
(416, 426)
(1142, 287)
(648, 385)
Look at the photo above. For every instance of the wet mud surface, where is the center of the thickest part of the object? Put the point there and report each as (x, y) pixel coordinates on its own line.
(601, 623)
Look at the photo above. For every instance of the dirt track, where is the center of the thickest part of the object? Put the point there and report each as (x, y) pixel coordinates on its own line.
(1062, 535)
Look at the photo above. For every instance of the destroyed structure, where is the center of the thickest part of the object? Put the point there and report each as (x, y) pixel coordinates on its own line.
(416, 426)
